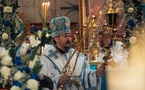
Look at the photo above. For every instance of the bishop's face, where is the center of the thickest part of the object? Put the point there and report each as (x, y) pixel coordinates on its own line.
(63, 42)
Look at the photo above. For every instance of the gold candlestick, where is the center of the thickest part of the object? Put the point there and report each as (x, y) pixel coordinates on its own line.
(111, 9)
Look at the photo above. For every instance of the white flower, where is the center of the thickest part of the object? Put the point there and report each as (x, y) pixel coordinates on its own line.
(7, 9)
(6, 52)
(6, 72)
(44, 28)
(39, 33)
(5, 36)
(32, 63)
(7, 60)
(15, 88)
(130, 9)
(34, 42)
(32, 84)
(18, 75)
(47, 35)
(31, 38)
(3, 52)
(133, 40)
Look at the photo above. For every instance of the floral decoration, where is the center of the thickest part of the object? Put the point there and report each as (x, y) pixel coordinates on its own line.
(19, 64)
(34, 41)
(133, 18)
(8, 9)
(20, 49)
(133, 40)
(130, 9)
(20, 73)
(5, 36)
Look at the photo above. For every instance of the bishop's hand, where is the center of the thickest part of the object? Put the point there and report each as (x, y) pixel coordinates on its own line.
(101, 70)
(63, 79)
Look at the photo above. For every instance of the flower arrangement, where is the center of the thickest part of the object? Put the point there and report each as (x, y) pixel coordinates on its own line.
(19, 52)
(20, 73)
(133, 18)
(19, 69)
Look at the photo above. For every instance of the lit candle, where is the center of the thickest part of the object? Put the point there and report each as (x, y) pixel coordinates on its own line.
(42, 48)
(43, 9)
(45, 12)
(45, 6)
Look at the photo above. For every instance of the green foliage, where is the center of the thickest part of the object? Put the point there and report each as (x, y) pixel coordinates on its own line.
(12, 53)
(37, 67)
(44, 39)
(42, 19)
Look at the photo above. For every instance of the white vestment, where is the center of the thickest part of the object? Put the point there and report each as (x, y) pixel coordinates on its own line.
(53, 62)
(119, 55)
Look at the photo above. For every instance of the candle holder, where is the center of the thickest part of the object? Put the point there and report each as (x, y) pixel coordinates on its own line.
(111, 15)
(111, 19)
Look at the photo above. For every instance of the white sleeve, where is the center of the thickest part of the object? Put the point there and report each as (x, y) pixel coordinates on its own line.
(48, 70)
(90, 78)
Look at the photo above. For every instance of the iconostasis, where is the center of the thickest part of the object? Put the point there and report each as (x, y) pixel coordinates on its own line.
(93, 8)
(94, 20)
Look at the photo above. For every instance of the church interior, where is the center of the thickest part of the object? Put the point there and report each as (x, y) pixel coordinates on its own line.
(111, 31)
